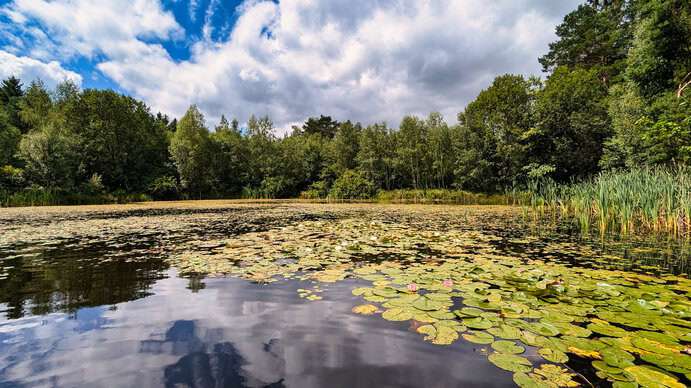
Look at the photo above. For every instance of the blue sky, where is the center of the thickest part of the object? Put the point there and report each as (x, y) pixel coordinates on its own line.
(366, 60)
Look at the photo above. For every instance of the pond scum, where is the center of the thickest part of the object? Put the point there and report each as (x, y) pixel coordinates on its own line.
(532, 317)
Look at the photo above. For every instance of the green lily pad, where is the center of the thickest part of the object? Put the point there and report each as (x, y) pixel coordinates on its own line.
(553, 355)
(617, 357)
(649, 377)
(608, 330)
(507, 347)
(426, 304)
(397, 314)
(505, 331)
(478, 337)
(511, 362)
(478, 323)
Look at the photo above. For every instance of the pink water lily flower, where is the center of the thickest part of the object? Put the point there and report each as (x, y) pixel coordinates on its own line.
(448, 283)
(412, 287)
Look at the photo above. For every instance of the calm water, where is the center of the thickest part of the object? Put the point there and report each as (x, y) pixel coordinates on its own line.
(88, 300)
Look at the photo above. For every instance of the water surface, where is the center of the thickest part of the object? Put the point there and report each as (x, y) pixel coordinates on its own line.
(95, 297)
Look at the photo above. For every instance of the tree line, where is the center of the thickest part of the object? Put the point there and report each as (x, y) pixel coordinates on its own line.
(615, 96)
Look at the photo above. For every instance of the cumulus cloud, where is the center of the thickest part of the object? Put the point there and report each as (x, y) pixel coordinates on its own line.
(26, 68)
(360, 59)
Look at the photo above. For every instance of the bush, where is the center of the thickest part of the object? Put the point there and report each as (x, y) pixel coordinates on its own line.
(164, 188)
(11, 178)
(317, 190)
(352, 185)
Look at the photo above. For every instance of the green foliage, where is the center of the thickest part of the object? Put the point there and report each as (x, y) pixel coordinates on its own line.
(9, 140)
(118, 137)
(490, 146)
(189, 149)
(641, 199)
(51, 157)
(594, 36)
(660, 55)
(352, 185)
(324, 126)
(572, 123)
(164, 188)
(36, 106)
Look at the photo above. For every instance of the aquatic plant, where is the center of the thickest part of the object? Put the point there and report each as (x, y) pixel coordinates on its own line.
(656, 200)
(632, 328)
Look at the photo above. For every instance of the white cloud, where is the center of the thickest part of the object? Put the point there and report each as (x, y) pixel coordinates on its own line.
(364, 60)
(29, 69)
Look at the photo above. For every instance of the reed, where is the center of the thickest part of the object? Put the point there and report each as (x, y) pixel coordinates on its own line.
(639, 200)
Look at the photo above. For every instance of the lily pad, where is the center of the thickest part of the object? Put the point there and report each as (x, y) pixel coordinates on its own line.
(478, 337)
(397, 314)
(510, 362)
(507, 347)
(365, 309)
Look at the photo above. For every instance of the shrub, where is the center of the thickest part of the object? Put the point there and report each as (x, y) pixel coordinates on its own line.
(352, 185)
(164, 188)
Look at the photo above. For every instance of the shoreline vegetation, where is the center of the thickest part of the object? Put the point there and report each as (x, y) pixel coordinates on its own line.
(604, 139)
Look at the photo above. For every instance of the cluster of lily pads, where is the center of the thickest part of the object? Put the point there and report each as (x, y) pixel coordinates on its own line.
(453, 284)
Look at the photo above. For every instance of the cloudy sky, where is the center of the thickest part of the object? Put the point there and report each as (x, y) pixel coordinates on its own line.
(366, 60)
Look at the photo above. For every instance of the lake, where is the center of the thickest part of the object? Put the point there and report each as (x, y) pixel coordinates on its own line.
(279, 294)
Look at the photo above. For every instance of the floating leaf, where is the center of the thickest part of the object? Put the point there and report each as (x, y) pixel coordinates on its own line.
(648, 377)
(505, 331)
(397, 314)
(365, 309)
(510, 362)
(607, 329)
(478, 337)
(507, 347)
(553, 355)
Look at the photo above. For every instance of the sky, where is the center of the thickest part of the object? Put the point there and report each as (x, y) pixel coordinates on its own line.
(364, 60)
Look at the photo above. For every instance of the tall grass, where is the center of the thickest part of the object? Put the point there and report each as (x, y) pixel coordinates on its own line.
(459, 197)
(639, 200)
(38, 196)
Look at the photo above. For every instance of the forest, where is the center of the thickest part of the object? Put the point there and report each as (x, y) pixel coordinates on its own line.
(616, 96)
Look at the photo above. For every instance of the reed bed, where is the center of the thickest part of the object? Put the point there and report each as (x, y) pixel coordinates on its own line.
(654, 200)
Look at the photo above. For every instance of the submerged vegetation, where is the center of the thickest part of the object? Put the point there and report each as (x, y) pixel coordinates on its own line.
(654, 200)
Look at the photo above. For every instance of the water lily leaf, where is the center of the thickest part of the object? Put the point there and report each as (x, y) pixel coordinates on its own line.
(365, 309)
(429, 330)
(478, 337)
(608, 330)
(624, 384)
(572, 330)
(397, 314)
(508, 347)
(649, 377)
(426, 304)
(510, 362)
(555, 375)
(523, 380)
(445, 335)
(617, 357)
(603, 366)
(362, 291)
(544, 329)
(654, 346)
(468, 312)
(553, 355)
(505, 331)
(441, 314)
(478, 323)
(658, 337)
